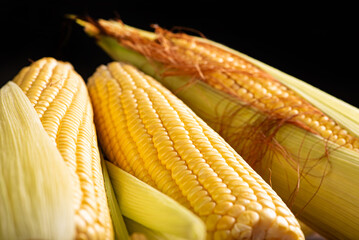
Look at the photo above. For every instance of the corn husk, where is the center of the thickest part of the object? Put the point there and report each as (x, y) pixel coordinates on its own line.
(35, 190)
(154, 211)
(149, 234)
(119, 225)
(314, 176)
(135, 227)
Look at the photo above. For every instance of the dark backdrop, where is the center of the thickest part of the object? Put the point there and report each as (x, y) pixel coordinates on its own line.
(317, 44)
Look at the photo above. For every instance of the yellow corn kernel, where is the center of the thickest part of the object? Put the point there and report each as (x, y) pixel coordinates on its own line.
(60, 98)
(161, 140)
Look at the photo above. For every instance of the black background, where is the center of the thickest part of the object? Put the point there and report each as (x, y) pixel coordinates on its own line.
(317, 44)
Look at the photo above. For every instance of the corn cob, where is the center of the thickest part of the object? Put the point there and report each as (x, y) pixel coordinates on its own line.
(151, 134)
(300, 139)
(35, 188)
(60, 98)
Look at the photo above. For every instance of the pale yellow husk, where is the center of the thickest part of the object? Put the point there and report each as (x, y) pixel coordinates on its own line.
(35, 187)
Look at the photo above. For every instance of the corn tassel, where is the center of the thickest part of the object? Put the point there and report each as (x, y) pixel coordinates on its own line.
(300, 139)
(60, 98)
(151, 134)
(35, 187)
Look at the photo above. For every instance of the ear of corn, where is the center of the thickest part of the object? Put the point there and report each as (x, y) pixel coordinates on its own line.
(35, 188)
(60, 98)
(151, 134)
(152, 209)
(309, 155)
(242, 79)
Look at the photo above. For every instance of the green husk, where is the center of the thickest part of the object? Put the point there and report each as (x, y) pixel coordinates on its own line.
(135, 227)
(317, 179)
(36, 195)
(118, 222)
(152, 209)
